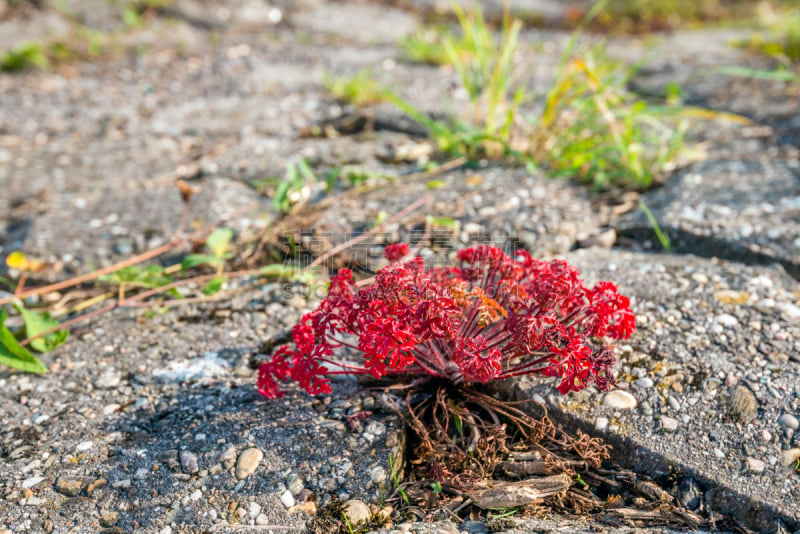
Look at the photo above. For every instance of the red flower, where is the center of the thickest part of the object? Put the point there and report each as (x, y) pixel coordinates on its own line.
(385, 339)
(490, 317)
(476, 363)
(396, 251)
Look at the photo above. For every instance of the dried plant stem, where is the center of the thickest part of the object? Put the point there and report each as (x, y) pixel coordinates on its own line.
(88, 277)
(363, 237)
(136, 300)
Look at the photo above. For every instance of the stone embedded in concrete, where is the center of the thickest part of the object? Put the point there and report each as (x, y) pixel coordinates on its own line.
(668, 424)
(248, 462)
(619, 400)
(744, 404)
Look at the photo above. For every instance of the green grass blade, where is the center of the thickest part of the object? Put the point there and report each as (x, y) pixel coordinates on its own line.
(663, 238)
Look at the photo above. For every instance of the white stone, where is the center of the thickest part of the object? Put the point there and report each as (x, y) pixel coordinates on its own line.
(790, 457)
(378, 475)
(356, 511)
(644, 383)
(601, 423)
(255, 509)
(619, 400)
(668, 424)
(790, 313)
(755, 466)
(248, 462)
(209, 366)
(789, 420)
(287, 499)
(726, 320)
(31, 482)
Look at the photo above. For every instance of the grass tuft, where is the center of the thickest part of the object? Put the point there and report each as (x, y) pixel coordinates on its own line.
(588, 125)
(780, 38)
(359, 90)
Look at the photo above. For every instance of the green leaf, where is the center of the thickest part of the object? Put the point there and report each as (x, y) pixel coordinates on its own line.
(446, 222)
(219, 241)
(214, 285)
(435, 184)
(436, 486)
(15, 355)
(289, 272)
(150, 276)
(278, 269)
(762, 74)
(380, 218)
(457, 422)
(36, 323)
(194, 260)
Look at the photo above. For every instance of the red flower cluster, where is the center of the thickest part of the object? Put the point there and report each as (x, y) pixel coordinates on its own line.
(488, 318)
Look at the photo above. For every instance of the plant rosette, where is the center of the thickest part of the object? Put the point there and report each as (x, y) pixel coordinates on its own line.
(488, 317)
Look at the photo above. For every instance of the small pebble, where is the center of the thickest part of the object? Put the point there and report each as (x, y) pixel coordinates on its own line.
(754, 466)
(744, 404)
(248, 462)
(726, 320)
(789, 457)
(71, 487)
(31, 482)
(644, 383)
(356, 511)
(255, 508)
(668, 424)
(228, 458)
(788, 420)
(108, 380)
(378, 475)
(122, 484)
(619, 400)
(287, 499)
(718, 453)
(39, 419)
(601, 423)
(189, 462)
(295, 483)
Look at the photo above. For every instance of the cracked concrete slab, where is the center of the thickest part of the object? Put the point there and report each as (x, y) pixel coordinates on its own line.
(714, 370)
(745, 210)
